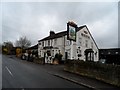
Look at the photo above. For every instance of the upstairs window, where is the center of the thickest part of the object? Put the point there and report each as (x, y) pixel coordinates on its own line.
(52, 42)
(55, 41)
(68, 42)
(43, 43)
(91, 44)
(80, 41)
(86, 43)
(39, 43)
(48, 42)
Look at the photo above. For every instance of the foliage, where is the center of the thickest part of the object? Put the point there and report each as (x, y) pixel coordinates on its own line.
(8, 44)
(106, 72)
(58, 56)
(7, 47)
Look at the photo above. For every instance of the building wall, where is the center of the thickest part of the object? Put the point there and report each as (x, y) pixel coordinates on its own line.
(83, 38)
(83, 41)
(56, 43)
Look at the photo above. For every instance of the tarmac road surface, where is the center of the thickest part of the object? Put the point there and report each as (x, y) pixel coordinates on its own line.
(18, 73)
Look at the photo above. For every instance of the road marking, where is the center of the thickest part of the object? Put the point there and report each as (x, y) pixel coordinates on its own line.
(9, 71)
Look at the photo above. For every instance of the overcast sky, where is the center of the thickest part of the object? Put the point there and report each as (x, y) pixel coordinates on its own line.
(36, 19)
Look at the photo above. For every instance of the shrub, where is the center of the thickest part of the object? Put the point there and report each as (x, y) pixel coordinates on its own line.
(105, 72)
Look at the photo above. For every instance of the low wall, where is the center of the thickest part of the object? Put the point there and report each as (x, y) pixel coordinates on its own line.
(104, 72)
(39, 60)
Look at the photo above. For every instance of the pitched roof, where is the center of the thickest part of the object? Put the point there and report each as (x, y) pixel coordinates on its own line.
(34, 47)
(79, 28)
(60, 34)
(92, 37)
(57, 35)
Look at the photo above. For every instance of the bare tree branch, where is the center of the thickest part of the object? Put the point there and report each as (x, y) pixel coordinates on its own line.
(23, 42)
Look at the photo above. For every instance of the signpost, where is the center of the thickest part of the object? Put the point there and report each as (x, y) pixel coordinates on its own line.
(71, 31)
(71, 35)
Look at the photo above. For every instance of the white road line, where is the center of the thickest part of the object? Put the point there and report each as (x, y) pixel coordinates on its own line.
(9, 71)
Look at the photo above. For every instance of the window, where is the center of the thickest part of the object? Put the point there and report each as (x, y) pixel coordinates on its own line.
(43, 43)
(91, 44)
(53, 53)
(55, 41)
(84, 35)
(40, 53)
(68, 43)
(86, 44)
(80, 41)
(48, 53)
(39, 43)
(52, 42)
(48, 42)
(81, 34)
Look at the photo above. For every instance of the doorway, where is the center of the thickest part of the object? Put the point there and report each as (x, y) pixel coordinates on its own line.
(89, 55)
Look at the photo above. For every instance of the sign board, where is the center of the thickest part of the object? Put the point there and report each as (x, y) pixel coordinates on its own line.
(71, 31)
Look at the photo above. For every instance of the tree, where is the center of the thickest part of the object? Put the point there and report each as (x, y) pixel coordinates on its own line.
(23, 42)
(7, 46)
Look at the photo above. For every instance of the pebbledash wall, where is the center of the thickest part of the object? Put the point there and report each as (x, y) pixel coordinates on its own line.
(57, 42)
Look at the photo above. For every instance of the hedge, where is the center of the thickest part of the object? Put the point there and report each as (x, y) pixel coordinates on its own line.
(104, 72)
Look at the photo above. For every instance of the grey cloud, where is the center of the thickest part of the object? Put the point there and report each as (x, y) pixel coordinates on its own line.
(36, 19)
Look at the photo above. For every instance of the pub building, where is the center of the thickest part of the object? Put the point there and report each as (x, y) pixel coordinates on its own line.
(73, 43)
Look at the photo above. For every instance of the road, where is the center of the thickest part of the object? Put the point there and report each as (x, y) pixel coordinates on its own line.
(18, 73)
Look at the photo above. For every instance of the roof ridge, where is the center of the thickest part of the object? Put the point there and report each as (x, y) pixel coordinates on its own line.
(60, 34)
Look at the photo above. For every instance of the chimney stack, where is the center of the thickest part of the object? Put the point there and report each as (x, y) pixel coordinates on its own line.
(52, 33)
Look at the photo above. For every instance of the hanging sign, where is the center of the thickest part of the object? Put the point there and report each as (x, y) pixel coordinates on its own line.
(71, 31)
